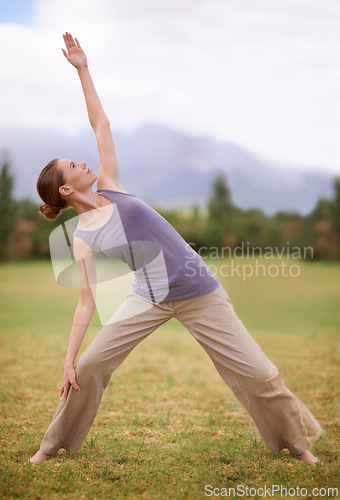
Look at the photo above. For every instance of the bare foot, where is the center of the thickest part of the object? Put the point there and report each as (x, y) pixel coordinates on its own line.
(308, 457)
(38, 457)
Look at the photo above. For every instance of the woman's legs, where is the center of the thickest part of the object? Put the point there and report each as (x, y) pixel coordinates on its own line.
(281, 418)
(135, 319)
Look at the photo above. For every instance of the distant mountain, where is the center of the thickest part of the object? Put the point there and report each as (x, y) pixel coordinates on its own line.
(169, 169)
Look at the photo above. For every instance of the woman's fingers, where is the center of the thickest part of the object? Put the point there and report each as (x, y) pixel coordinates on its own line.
(75, 386)
(66, 387)
(70, 40)
(67, 43)
(78, 44)
(73, 382)
(64, 390)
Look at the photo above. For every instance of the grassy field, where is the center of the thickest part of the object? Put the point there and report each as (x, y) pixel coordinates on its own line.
(167, 426)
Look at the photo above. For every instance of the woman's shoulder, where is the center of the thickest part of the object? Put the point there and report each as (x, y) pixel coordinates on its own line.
(81, 249)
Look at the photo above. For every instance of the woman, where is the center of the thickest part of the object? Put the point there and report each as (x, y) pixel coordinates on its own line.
(117, 223)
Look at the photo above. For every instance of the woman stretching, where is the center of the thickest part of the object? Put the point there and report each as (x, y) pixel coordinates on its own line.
(171, 281)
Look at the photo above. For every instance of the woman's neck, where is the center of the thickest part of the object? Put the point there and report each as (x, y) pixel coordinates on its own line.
(89, 201)
(93, 209)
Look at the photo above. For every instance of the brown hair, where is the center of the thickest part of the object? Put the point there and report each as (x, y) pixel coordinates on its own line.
(48, 184)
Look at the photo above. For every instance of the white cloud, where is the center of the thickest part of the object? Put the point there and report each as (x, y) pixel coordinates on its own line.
(264, 74)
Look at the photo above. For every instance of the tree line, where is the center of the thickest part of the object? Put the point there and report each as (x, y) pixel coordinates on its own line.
(24, 233)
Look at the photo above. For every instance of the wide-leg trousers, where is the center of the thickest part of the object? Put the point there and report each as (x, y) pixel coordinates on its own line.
(281, 418)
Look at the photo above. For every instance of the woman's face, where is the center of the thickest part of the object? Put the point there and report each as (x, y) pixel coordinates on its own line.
(77, 176)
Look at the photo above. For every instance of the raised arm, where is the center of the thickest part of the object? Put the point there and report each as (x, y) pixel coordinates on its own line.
(108, 175)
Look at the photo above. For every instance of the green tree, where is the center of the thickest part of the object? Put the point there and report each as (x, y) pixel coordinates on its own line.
(27, 209)
(220, 206)
(7, 206)
(210, 234)
(220, 213)
(322, 209)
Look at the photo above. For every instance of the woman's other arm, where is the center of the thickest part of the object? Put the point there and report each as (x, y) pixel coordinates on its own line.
(108, 175)
(83, 314)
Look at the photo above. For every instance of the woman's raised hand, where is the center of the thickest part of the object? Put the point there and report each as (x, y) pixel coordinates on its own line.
(75, 54)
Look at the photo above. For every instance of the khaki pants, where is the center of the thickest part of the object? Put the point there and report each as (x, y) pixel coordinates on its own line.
(281, 418)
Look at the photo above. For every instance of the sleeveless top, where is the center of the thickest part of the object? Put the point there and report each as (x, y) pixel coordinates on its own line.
(164, 265)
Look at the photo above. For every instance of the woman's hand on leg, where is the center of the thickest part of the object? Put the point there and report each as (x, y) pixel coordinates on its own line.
(69, 379)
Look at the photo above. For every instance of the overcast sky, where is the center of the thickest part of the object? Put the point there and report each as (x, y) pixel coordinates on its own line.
(263, 74)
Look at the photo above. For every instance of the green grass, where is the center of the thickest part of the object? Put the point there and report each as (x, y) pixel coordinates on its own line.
(167, 425)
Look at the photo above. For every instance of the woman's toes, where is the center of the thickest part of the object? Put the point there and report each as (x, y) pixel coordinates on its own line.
(38, 457)
(307, 456)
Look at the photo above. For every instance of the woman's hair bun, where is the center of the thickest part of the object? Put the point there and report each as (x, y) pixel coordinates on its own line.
(49, 211)
(48, 184)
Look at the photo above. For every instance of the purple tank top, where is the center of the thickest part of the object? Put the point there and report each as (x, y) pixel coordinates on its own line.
(165, 267)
